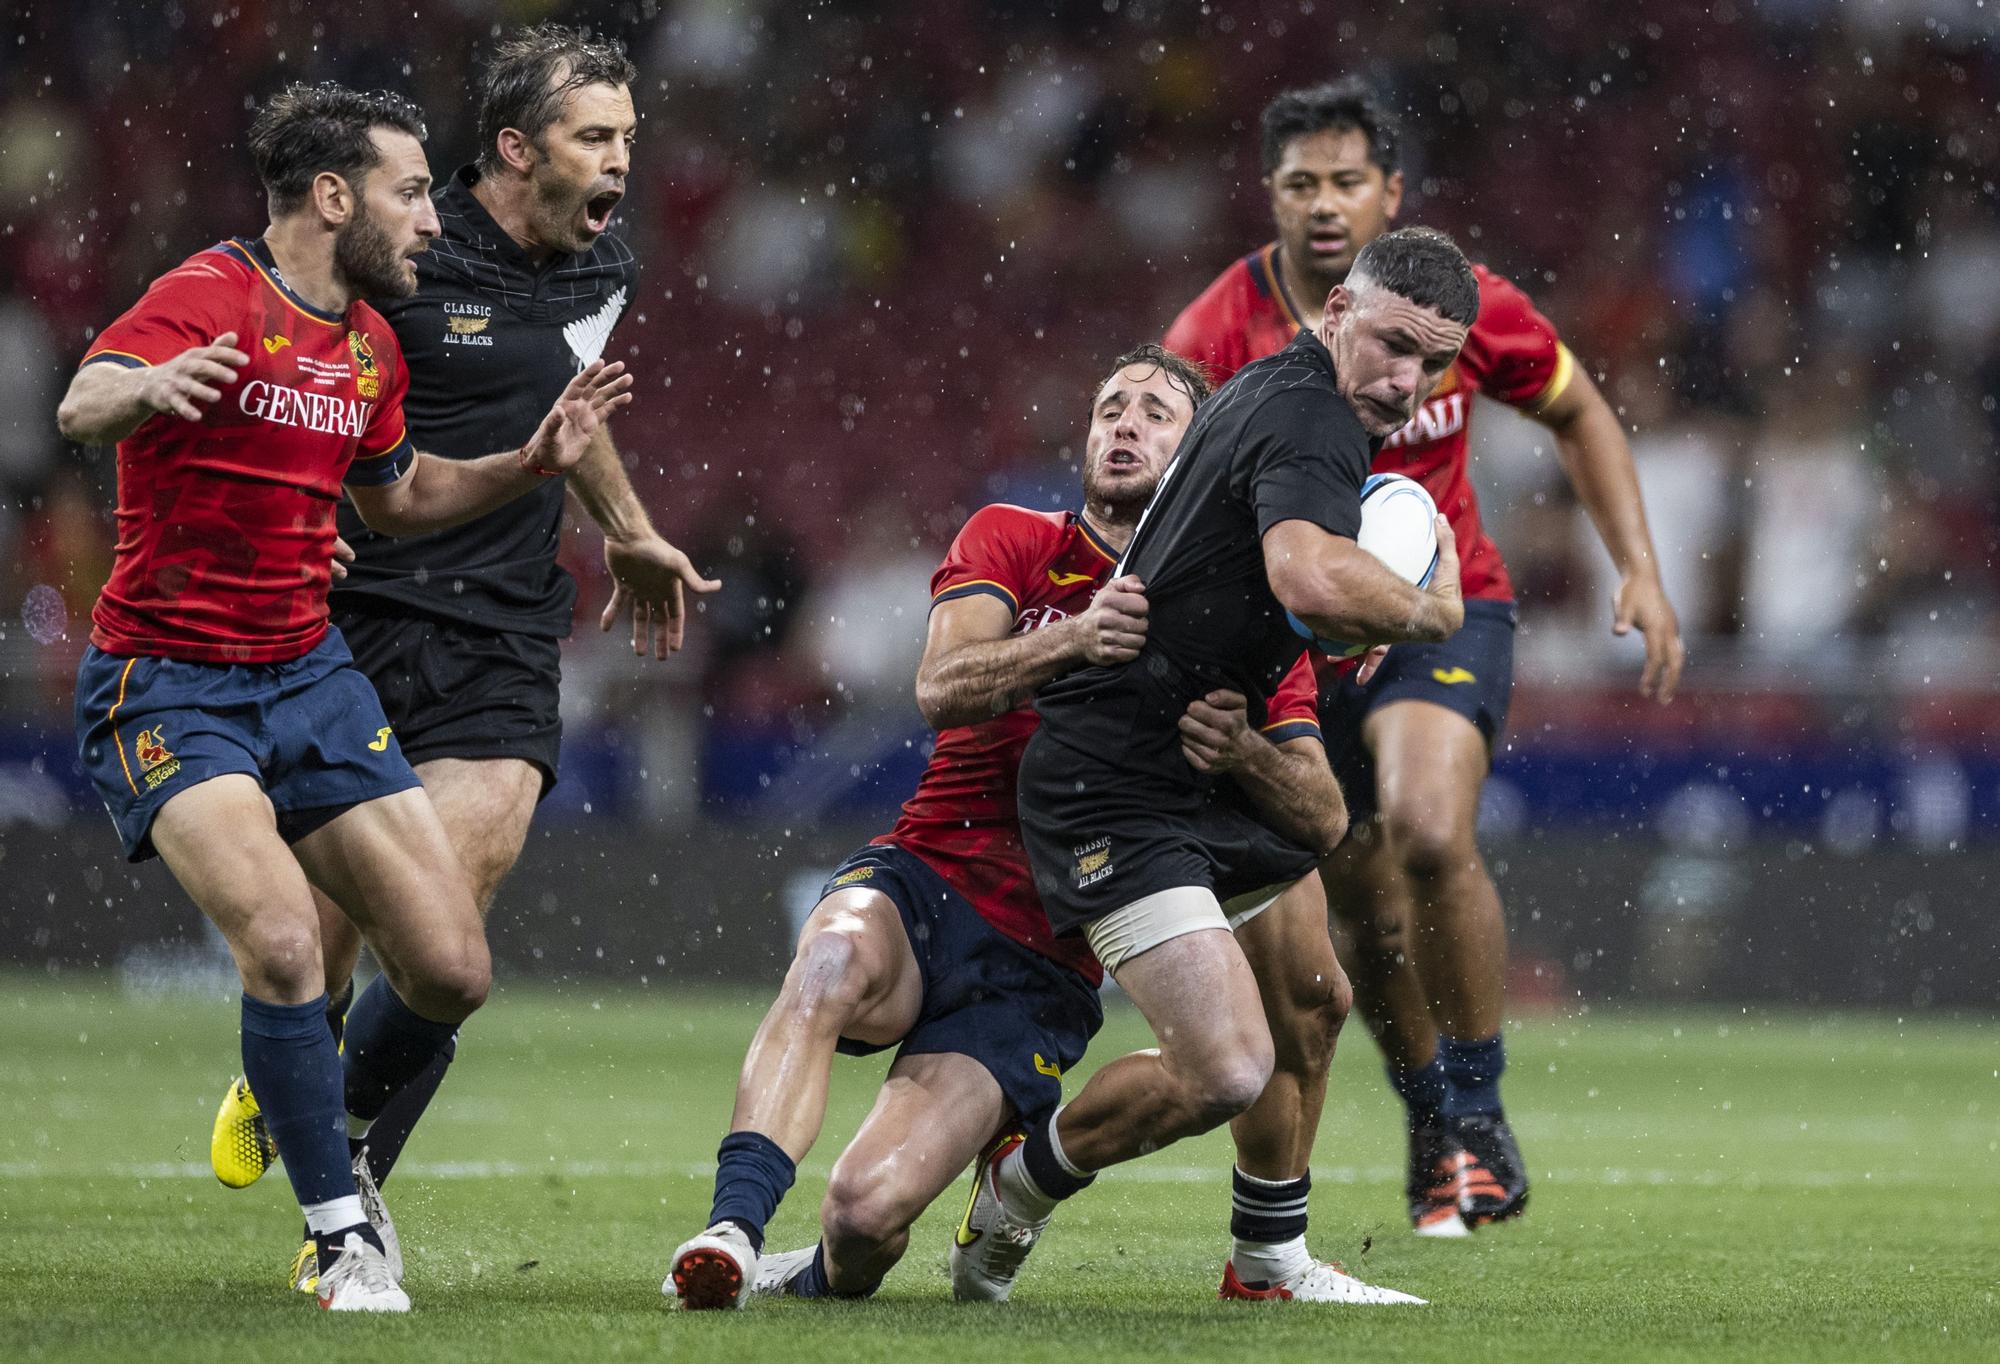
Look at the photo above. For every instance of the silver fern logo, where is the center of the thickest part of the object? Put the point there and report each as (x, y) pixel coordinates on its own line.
(587, 335)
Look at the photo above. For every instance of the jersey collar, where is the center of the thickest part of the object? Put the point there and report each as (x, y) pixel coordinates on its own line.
(478, 227)
(253, 252)
(1271, 282)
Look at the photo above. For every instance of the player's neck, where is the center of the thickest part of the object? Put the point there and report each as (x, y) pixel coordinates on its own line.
(303, 253)
(1305, 293)
(506, 202)
(1111, 526)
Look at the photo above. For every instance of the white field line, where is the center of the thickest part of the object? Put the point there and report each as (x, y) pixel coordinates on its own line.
(1137, 1173)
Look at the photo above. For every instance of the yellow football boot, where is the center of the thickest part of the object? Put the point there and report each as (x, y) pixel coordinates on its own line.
(240, 1148)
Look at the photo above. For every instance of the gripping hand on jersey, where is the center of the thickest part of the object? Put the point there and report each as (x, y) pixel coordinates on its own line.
(1114, 626)
(586, 403)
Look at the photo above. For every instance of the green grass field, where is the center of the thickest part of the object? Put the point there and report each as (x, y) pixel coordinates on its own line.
(1711, 1185)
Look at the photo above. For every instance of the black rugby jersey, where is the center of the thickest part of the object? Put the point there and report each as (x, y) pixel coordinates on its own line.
(1277, 443)
(490, 341)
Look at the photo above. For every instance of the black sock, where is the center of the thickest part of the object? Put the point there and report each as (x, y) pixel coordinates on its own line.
(388, 1045)
(294, 1070)
(332, 1243)
(398, 1118)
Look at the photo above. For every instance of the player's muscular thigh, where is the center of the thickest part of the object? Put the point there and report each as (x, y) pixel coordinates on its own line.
(854, 962)
(485, 805)
(1429, 765)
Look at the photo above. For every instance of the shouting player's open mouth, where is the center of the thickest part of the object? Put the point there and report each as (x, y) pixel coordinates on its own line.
(1123, 457)
(597, 210)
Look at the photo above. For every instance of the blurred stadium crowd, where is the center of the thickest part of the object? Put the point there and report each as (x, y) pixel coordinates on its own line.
(890, 247)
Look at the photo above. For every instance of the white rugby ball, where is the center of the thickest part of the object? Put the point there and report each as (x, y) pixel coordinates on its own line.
(1399, 527)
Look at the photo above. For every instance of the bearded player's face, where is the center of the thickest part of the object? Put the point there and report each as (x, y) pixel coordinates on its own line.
(393, 221)
(1329, 200)
(1135, 426)
(1388, 352)
(579, 170)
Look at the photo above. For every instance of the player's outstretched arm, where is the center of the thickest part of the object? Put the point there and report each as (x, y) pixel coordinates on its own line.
(975, 667)
(1341, 591)
(1291, 783)
(1594, 453)
(436, 493)
(106, 402)
(649, 576)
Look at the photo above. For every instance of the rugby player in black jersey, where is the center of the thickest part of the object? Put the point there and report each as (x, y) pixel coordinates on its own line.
(1255, 518)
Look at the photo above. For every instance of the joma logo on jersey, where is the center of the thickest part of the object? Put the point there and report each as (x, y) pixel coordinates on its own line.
(1436, 419)
(1038, 618)
(321, 412)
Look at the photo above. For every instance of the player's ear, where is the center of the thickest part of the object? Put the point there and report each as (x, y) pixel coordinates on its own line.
(517, 150)
(332, 198)
(1392, 195)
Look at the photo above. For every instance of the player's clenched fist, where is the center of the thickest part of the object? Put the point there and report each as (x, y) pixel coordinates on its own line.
(586, 403)
(1114, 628)
(194, 376)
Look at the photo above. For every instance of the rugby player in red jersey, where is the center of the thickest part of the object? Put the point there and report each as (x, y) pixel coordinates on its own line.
(217, 712)
(932, 937)
(1412, 747)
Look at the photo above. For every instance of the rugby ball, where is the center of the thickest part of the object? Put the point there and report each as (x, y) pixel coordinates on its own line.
(1399, 527)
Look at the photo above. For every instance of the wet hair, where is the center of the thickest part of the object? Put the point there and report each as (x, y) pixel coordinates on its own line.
(307, 130)
(531, 74)
(1348, 104)
(1189, 376)
(1423, 265)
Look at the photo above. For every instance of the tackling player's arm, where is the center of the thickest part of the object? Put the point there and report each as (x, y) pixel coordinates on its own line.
(1341, 591)
(647, 573)
(975, 667)
(1593, 451)
(107, 401)
(1289, 782)
(435, 493)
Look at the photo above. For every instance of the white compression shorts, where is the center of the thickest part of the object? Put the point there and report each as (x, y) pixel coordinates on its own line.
(1168, 914)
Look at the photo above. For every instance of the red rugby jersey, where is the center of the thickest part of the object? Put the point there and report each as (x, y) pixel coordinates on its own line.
(1046, 566)
(225, 525)
(1512, 354)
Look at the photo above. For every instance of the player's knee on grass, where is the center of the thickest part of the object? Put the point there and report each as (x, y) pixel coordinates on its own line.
(864, 1217)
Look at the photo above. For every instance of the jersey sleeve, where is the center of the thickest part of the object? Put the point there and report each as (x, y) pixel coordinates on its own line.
(995, 554)
(1304, 467)
(192, 304)
(1513, 352)
(1293, 709)
(385, 452)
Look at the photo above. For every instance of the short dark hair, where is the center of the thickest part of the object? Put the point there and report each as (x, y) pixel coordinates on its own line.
(1423, 265)
(305, 130)
(1189, 376)
(1348, 103)
(529, 76)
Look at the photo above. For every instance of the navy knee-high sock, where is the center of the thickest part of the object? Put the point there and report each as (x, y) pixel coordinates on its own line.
(293, 1067)
(752, 1175)
(388, 1046)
